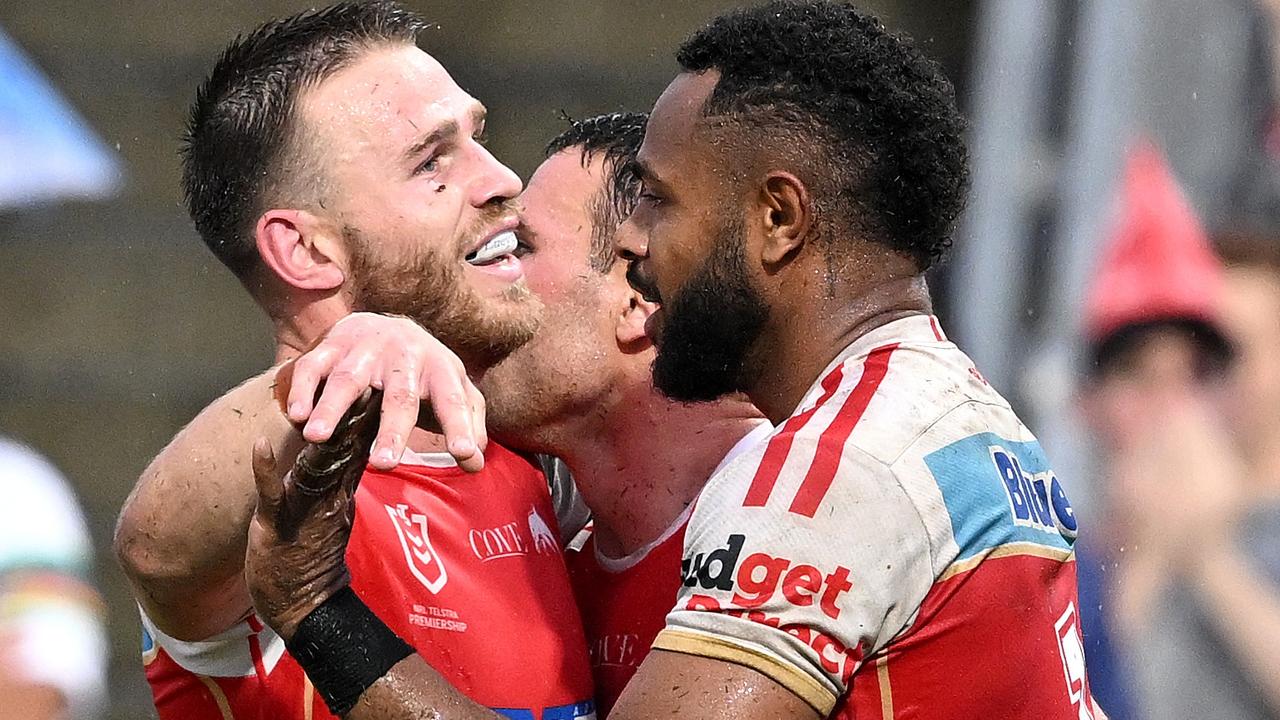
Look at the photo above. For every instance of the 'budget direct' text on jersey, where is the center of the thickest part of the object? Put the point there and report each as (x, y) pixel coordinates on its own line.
(466, 568)
(899, 547)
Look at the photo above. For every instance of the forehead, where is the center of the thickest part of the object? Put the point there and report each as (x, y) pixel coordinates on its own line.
(562, 185)
(558, 197)
(676, 117)
(387, 96)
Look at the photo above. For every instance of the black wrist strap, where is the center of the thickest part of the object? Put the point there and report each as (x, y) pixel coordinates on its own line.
(344, 648)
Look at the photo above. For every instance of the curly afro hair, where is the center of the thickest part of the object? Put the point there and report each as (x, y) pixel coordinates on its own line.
(880, 115)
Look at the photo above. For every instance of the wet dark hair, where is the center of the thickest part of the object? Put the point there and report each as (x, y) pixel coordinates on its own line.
(239, 154)
(880, 117)
(616, 138)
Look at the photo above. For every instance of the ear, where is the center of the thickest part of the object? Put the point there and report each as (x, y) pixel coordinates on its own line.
(301, 249)
(630, 330)
(787, 216)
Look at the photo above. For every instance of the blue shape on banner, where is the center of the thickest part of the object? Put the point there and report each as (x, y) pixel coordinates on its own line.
(47, 152)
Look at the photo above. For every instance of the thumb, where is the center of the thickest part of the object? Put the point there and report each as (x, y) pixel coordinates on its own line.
(270, 486)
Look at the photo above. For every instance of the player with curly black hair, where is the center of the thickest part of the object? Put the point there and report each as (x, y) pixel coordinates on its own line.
(872, 117)
(899, 545)
(901, 531)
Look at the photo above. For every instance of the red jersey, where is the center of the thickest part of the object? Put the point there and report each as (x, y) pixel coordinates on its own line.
(624, 601)
(466, 568)
(624, 606)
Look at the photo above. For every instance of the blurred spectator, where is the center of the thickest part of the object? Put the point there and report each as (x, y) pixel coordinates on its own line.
(1184, 563)
(52, 643)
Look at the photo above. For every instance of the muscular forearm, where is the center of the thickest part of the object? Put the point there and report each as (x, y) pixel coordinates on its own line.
(1246, 608)
(412, 690)
(670, 685)
(182, 532)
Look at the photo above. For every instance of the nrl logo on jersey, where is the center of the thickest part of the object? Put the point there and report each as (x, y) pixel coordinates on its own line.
(423, 561)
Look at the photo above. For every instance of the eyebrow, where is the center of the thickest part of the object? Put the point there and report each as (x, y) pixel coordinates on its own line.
(645, 174)
(447, 130)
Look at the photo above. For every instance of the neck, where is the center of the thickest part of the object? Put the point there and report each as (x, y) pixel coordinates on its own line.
(300, 322)
(806, 334)
(642, 464)
(297, 330)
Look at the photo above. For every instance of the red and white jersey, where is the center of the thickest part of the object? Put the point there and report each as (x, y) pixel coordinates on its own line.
(624, 601)
(467, 568)
(898, 548)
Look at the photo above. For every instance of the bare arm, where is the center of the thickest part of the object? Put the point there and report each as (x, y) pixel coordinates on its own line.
(667, 685)
(181, 535)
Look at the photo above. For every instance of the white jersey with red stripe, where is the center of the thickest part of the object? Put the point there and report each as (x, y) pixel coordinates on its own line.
(898, 548)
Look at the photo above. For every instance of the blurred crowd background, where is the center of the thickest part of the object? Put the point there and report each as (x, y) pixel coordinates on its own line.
(1117, 276)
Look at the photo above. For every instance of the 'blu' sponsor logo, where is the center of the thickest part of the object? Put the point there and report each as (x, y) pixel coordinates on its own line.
(1035, 500)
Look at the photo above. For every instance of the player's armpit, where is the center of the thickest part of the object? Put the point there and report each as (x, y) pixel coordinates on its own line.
(672, 684)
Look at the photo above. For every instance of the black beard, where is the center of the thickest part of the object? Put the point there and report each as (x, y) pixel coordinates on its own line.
(710, 327)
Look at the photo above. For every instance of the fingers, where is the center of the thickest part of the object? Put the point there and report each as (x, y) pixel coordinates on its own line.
(321, 466)
(478, 420)
(308, 372)
(350, 378)
(410, 366)
(325, 475)
(452, 405)
(401, 401)
(269, 484)
(362, 427)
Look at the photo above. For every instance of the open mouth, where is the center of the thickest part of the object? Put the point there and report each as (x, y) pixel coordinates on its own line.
(498, 248)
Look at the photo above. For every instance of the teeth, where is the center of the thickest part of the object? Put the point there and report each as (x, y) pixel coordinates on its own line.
(501, 244)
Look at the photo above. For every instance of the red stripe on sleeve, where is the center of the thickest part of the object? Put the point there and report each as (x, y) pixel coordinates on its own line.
(830, 446)
(255, 649)
(775, 455)
(937, 329)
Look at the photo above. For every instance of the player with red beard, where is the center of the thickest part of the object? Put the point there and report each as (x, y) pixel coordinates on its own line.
(335, 167)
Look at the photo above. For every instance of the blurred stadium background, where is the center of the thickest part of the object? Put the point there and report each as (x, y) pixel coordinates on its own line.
(118, 325)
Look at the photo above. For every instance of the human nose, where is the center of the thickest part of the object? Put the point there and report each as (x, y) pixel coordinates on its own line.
(629, 243)
(497, 181)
